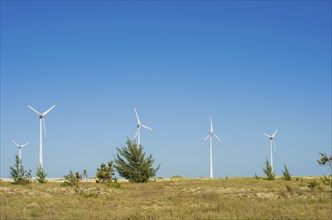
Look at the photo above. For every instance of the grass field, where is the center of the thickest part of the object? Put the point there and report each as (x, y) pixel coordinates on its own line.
(233, 198)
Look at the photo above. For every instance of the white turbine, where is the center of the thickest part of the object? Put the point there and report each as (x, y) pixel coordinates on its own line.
(139, 126)
(271, 137)
(42, 122)
(20, 146)
(211, 134)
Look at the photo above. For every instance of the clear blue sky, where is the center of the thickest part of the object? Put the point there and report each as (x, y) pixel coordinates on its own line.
(254, 66)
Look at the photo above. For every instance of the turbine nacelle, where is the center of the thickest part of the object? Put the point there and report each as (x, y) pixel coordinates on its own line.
(41, 116)
(20, 146)
(271, 137)
(139, 126)
(211, 133)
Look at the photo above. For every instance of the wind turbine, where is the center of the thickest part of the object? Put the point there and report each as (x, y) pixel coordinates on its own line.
(42, 122)
(271, 137)
(139, 126)
(211, 134)
(20, 150)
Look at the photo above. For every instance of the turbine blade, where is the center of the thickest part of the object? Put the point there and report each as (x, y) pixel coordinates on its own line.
(267, 135)
(15, 143)
(45, 113)
(217, 137)
(44, 129)
(274, 146)
(206, 137)
(211, 124)
(147, 127)
(136, 132)
(275, 133)
(38, 113)
(138, 121)
(25, 144)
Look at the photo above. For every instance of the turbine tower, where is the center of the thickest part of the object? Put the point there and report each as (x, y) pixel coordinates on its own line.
(211, 134)
(42, 123)
(271, 137)
(20, 150)
(139, 126)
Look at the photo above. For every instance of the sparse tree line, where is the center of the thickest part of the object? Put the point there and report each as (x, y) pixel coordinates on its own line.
(131, 162)
(270, 175)
(325, 160)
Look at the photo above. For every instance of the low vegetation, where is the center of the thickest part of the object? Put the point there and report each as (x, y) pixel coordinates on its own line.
(180, 198)
(72, 179)
(105, 173)
(326, 161)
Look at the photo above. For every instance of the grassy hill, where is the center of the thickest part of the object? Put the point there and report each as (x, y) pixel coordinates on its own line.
(176, 198)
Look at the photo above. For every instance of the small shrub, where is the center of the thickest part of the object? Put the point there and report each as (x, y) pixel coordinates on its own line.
(286, 174)
(84, 190)
(268, 171)
(327, 180)
(116, 185)
(105, 173)
(256, 177)
(19, 174)
(72, 179)
(41, 175)
(177, 177)
(326, 160)
(88, 193)
(312, 184)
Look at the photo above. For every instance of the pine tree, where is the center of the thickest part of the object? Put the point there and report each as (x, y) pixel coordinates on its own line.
(286, 174)
(132, 164)
(326, 160)
(18, 173)
(41, 175)
(268, 171)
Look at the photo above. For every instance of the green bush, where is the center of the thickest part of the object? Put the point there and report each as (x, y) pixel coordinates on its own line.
(41, 175)
(312, 184)
(132, 164)
(105, 173)
(268, 171)
(286, 174)
(72, 179)
(18, 173)
(326, 161)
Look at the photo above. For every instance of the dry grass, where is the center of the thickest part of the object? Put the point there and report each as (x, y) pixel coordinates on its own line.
(241, 198)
